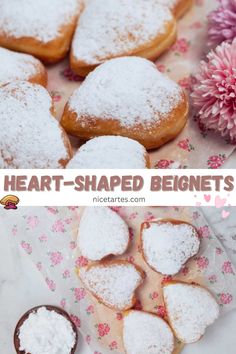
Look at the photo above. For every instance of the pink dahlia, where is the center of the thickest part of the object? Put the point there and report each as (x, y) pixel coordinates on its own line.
(222, 23)
(214, 93)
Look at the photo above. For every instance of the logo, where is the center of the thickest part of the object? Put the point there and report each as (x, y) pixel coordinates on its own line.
(10, 202)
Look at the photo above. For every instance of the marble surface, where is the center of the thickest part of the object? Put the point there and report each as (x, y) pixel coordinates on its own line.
(22, 287)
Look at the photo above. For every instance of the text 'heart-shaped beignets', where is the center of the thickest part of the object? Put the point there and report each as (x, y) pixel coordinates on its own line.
(110, 152)
(113, 28)
(18, 66)
(190, 308)
(146, 333)
(40, 27)
(102, 232)
(30, 136)
(113, 283)
(168, 244)
(127, 97)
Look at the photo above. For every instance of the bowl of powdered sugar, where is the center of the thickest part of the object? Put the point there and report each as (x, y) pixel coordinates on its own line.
(45, 330)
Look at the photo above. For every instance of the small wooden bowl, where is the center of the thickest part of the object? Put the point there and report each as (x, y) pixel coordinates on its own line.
(34, 309)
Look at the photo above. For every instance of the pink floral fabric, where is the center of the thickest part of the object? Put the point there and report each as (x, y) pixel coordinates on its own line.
(48, 236)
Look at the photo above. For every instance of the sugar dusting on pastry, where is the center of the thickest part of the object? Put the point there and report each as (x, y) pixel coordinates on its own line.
(40, 19)
(168, 247)
(30, 136)
(109, 152)
(114, 284)
(146, 333)
(102, 232)
(128, 89)
(110, 28)
(17, 66)
(191, 309)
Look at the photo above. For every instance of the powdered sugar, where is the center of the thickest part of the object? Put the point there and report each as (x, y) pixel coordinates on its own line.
(110, 152)
(40, 19)
(170, 3)
(112, 28)
(146, 333)
(167, 247)
(114, 284)
(30, 136)
(17, 66)
(130, 90)
(190, 310)
(102, 232)
(46, 332)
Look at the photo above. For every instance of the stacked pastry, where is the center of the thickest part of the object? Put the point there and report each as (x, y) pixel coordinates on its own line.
(166, 246)
(125, 100)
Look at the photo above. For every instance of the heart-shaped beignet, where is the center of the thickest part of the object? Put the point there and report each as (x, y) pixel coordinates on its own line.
(30, 136)
(18, 66)
(113, 283)
(127, 97)
(102, 232)
(168, 244)
(42, 28)
(110, 152)
(114, 28)
(146, 333)
(190, 309)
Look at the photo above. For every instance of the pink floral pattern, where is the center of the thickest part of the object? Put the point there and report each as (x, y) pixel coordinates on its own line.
(216, 161)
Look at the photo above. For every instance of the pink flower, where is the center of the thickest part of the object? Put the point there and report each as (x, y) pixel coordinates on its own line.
(88, 339)
(185, 271)
(219, 251)
(131, 234)
(202, 262)
(138, 306)
(181, 46)
(39, 266)
(119, 316)
(90, 309)
(212, 279)
(79, 293)
(113, 345)
(66, 274)
(56, 97)
(163, 164)
(161, 311)
(103, 329)
(70, 75)
(27, 247)
(130, 259)
(166, 279)
(161, 67)
(215, 91)
(185, 145)
(154, 295)
(204, 231)
(222, 23)
(51, 284)
(185, 83)
(63, 303)
(32, 221)
(58, 226)
(227, 268)
(225, 299)
(81, 261)
(52, 210)
(149, 217)
(43, 238)
(56, 258)
(75, 320)
(216, 161)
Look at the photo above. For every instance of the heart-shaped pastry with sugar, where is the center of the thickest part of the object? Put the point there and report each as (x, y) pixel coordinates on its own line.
(114, 28)
(127, 97)
(168, 244)
(190, 309)
(146, 333)
(102, 232)
(178, 7)
(18, 66)
(30, 136)
(113, 283)
(42, 28)
(110, 152)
